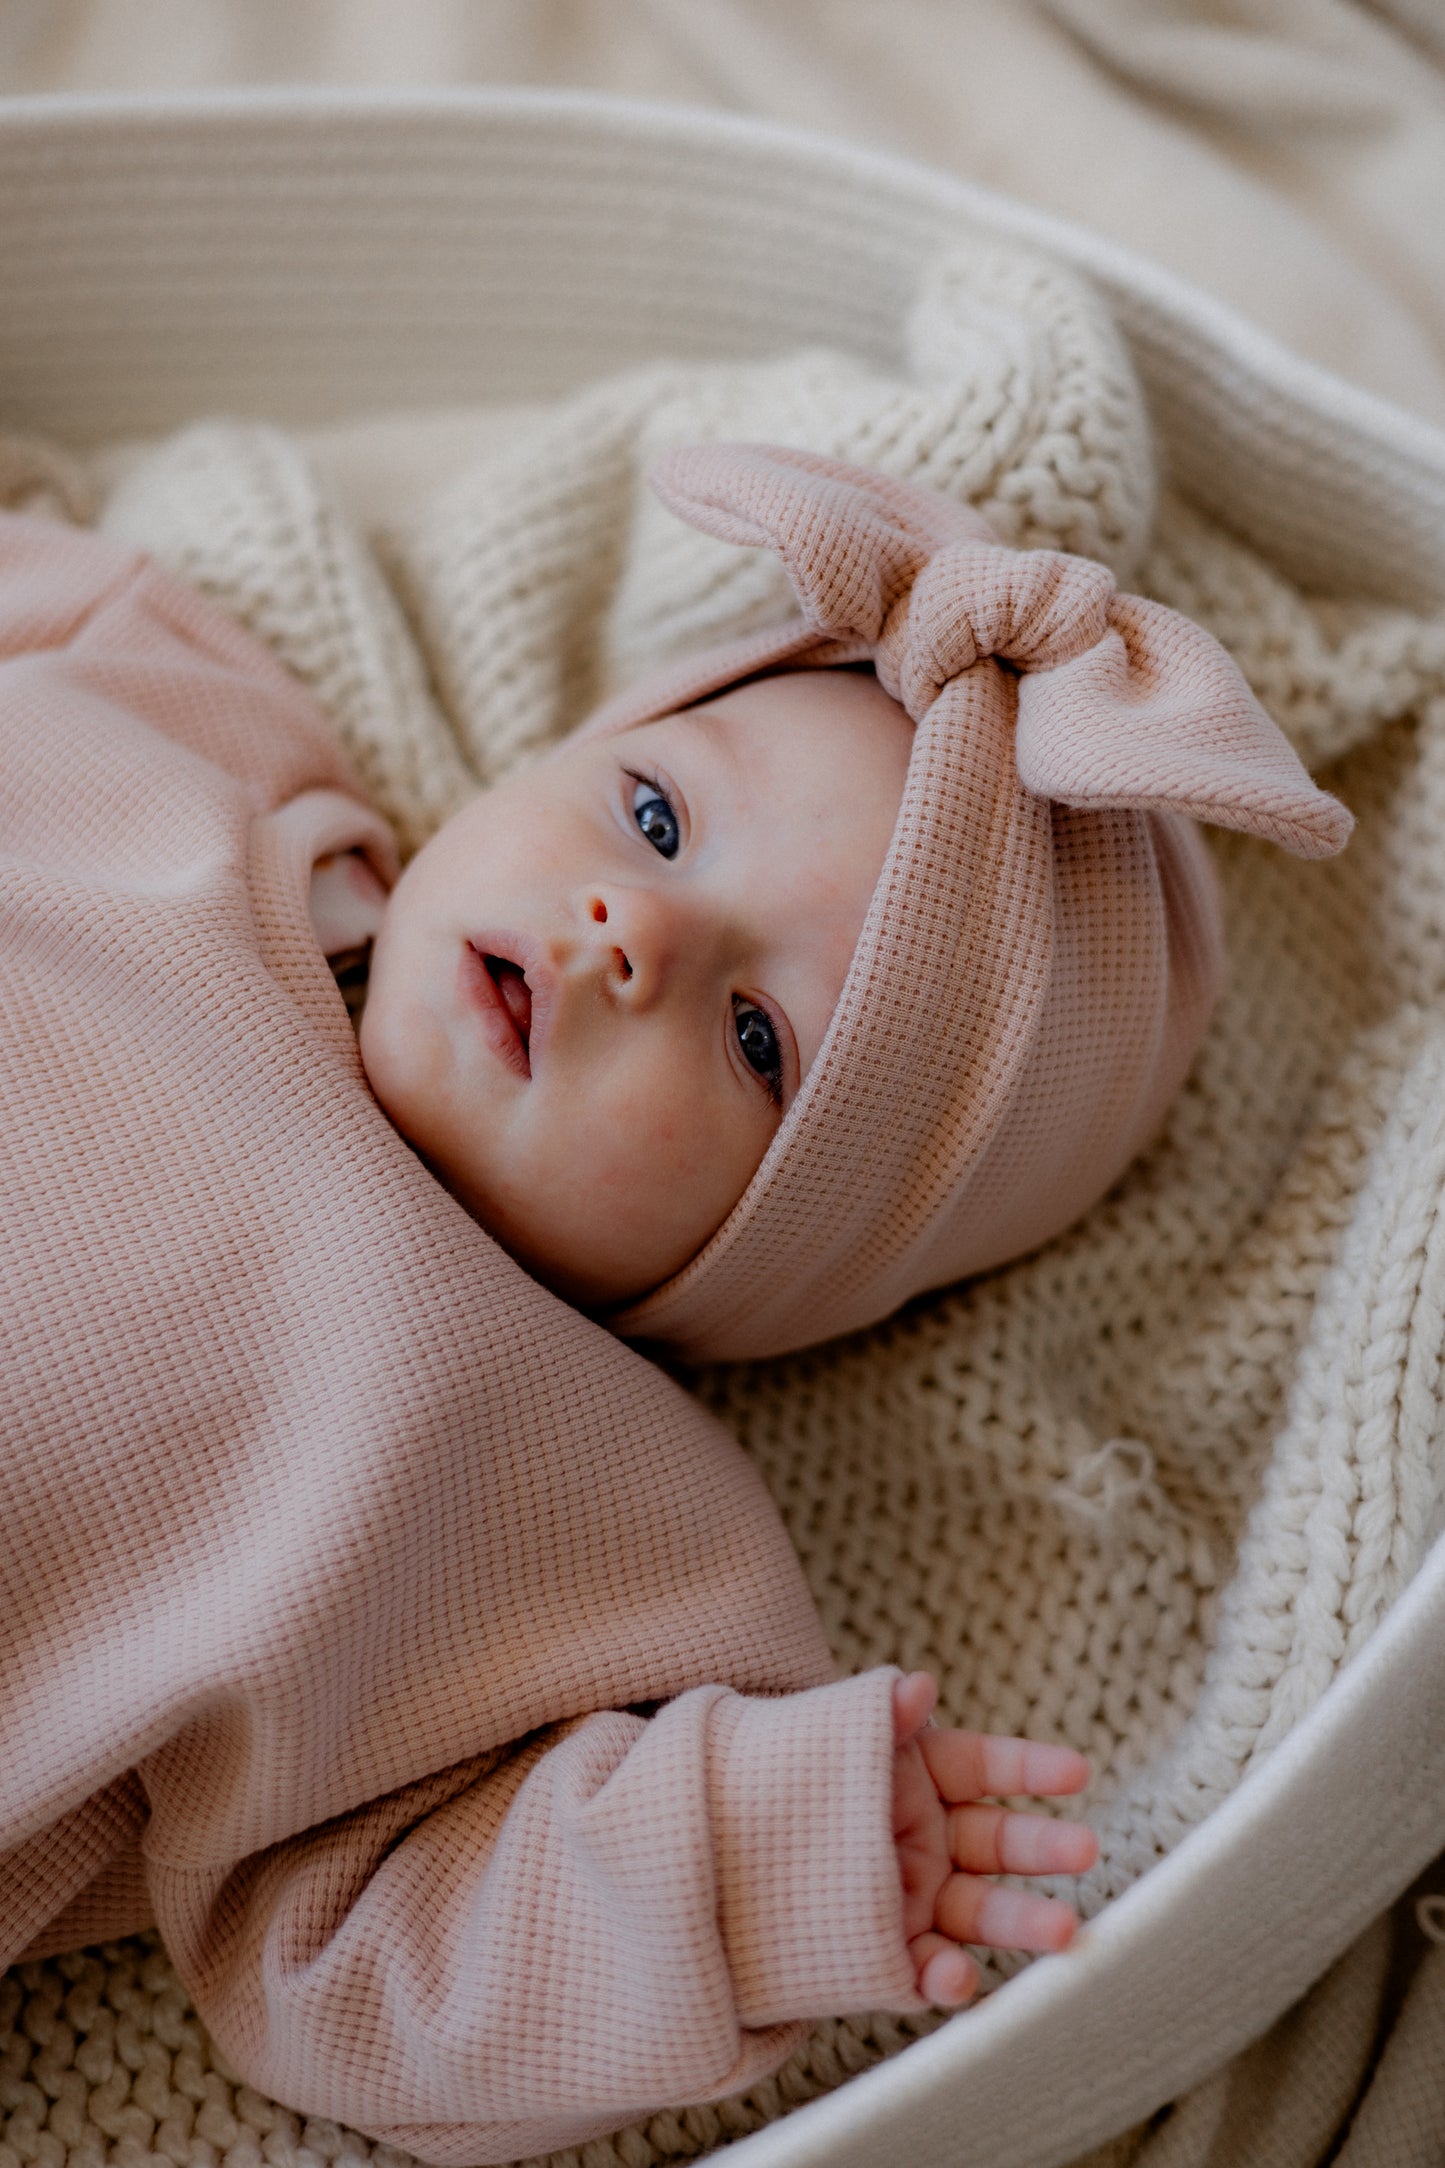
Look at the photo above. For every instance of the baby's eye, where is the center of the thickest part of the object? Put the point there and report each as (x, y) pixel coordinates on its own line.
(654, 816)
(759, 1043)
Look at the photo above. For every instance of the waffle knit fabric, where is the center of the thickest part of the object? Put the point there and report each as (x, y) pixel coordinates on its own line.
(1041, 952)
(1147, 1490)
(338, 1554)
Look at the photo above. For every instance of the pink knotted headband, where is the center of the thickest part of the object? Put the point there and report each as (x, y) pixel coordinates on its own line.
(1043, 946)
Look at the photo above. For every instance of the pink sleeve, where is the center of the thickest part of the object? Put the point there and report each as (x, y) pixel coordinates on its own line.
(518, 1956)
(53, 579)
(120, 638)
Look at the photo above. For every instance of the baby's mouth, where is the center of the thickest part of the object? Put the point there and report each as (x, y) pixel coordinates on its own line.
(511, 983)
(510, 1008)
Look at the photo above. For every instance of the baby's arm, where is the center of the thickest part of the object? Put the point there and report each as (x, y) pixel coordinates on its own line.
(950, 1845)
(521, 1953)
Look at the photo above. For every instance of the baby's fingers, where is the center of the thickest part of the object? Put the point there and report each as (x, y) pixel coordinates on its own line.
(947, 1975)
(976, 1765)
(969, 1910)
(991, 1840)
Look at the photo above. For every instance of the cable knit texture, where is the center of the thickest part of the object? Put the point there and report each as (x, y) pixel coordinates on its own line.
(1146, 1490)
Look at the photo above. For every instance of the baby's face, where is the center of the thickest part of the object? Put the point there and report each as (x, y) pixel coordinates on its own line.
(597, 990)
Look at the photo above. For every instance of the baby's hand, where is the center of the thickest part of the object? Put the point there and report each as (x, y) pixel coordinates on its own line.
(948, 1846)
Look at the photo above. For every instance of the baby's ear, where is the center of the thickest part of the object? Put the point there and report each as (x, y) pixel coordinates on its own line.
(1157, 717)
(851, 541)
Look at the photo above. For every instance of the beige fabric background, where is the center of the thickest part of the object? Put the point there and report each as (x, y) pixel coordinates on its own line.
(1288, 156)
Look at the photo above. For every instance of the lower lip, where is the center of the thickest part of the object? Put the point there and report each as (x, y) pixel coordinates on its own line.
(484, 997)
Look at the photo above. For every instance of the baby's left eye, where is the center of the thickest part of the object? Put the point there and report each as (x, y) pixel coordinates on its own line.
(759, 1043)
(655, 817)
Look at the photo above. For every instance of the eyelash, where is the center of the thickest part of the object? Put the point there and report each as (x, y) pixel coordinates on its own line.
(771, 1078)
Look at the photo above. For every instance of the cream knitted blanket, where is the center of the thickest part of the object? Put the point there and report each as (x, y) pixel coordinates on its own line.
(1146, 1491)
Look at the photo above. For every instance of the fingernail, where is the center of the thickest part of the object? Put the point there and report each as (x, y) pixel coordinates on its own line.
(949, 1979)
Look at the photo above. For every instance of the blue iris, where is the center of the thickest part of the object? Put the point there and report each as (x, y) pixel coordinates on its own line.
(759, 1043)
(655, 817)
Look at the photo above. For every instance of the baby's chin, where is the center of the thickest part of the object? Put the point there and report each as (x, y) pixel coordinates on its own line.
(581, 1259)
(578, 1252)
(581, 1265)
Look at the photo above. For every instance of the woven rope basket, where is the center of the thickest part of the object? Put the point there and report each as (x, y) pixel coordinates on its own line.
(303, 258)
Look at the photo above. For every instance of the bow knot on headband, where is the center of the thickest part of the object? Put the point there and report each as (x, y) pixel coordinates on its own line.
(1033, 609)
(1043, 946)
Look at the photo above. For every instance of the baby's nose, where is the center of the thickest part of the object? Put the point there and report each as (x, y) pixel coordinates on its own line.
(616, 959)
(637, 941)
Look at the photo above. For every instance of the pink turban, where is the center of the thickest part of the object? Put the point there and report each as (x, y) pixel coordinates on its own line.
(1043, 947)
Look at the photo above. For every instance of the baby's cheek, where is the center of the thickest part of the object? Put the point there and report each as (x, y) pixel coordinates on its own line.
(645, 1135)
(404, 1066)
(620, 1159)
(665, 1162)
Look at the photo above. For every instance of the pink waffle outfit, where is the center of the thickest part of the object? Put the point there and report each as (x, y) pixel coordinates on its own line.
(341, 1561)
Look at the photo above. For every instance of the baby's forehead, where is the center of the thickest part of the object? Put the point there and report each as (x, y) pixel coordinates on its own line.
(825, 711)
(797, 778)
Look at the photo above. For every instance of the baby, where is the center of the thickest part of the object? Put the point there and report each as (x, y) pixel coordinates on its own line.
(592, 998)
(420, 1659)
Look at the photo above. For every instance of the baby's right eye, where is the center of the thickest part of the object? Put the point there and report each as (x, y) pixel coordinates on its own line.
(652, 810)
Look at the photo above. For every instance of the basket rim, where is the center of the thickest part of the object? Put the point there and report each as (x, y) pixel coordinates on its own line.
(1322, 1751)
(1334, 398)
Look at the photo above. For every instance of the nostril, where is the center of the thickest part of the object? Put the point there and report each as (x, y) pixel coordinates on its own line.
(599, 911)
(622, 960)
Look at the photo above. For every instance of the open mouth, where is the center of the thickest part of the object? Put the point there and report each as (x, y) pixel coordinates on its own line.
(503, 1000)
(510, 981)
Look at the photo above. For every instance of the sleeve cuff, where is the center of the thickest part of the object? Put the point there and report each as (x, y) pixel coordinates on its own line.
(810, 1902)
